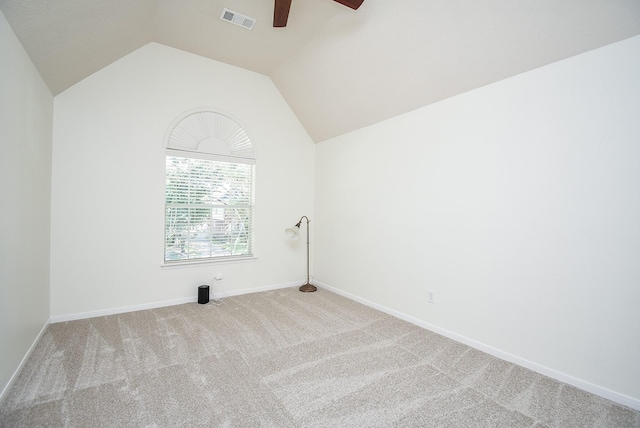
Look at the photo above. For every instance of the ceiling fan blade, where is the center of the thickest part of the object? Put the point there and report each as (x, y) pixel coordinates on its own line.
(353, 4)
(281, 13)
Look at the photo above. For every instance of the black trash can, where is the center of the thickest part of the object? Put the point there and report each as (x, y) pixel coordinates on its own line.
(203, 294)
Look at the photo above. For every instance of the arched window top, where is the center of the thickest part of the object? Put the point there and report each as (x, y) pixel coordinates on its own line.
(212, 133)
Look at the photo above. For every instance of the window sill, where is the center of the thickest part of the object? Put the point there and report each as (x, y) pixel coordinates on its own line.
(198, 263)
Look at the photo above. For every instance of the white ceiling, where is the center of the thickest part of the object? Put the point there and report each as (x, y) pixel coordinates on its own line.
(339, 69)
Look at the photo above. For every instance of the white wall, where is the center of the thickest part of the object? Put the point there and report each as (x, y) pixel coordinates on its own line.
(108, 181)
(517, 203)
(26, 114)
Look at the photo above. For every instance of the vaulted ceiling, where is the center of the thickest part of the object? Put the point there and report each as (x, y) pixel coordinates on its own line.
(338, 69)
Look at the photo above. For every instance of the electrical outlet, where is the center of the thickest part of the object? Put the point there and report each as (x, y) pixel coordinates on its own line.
(431, 296)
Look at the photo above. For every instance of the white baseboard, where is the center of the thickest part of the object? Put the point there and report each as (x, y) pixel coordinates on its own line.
(9, 384)
(625, 400)
(258, 289)
(120, 310)
(163, 303)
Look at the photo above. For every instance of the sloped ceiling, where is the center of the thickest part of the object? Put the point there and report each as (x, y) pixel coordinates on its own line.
(338, 69)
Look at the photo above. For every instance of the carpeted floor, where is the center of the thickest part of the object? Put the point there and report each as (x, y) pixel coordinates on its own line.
(282, 359)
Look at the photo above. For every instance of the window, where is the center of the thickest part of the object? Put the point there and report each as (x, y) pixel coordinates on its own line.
(208, 190)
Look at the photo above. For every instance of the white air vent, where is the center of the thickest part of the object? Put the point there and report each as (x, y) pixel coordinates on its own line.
(237, 18)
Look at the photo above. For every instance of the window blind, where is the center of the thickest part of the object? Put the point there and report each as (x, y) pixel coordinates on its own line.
(208, 209)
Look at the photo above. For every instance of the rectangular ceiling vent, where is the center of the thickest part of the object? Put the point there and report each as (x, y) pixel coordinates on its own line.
(237, 18)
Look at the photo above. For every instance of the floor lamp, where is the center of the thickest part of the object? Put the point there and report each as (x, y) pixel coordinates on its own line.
(294, 233)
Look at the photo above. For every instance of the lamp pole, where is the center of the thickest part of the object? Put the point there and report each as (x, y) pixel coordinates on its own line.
(308, 287)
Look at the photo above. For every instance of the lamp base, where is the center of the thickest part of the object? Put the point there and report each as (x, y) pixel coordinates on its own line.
(308, 288)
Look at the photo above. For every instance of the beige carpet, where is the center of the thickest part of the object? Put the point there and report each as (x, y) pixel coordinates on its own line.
(282, 359)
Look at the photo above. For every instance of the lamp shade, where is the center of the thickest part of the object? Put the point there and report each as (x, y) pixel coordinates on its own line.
(293, 232)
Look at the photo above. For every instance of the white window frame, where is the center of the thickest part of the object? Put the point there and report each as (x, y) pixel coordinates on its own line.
(209, 135)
